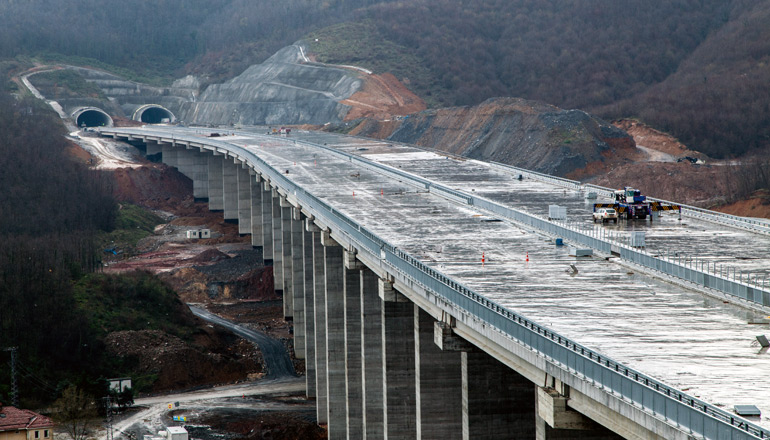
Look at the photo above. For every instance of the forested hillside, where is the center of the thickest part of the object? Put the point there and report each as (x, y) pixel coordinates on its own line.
(696, 68)
(54, 308)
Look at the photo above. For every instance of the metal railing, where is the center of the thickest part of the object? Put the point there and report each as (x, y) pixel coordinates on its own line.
(750, 290)
(691, 415)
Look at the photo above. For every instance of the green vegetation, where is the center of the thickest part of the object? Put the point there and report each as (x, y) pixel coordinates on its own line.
(134, 301)
(159, 72)
(65, 83)
(132, 224)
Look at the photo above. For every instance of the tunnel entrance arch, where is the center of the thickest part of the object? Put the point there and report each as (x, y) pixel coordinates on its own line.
(91, 117)
(153, 114)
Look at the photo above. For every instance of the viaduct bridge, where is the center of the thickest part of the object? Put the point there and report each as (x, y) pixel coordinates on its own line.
(429, 300)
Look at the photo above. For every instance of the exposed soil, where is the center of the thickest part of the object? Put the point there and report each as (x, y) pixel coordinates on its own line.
(215, 357)
(649, 137)
(257, 425)
(382, 97)
(758, 205)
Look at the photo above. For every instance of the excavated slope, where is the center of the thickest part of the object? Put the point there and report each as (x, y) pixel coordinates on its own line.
(518, 132)
(282, 90)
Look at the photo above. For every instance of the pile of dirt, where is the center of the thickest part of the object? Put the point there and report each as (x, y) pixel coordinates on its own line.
(180, 365)
(209, 256)
(259, 425)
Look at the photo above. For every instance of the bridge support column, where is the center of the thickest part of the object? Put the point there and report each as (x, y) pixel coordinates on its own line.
(286, 259)
(438, 383)
(216, 183)
(498, 403)
(152, 148)
(277, 243)
(298, 283)
(335, 337)
(169, 155)
(398, 363)
(371, 356)
(244, 200)
(257, 238)
(353, 373)
(319, 292)
(310, 334)
(184, 161)
(230, 189)
(555, 420)
(267, 225)
(200, 175)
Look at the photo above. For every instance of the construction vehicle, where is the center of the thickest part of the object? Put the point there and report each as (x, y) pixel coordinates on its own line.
(631, 204)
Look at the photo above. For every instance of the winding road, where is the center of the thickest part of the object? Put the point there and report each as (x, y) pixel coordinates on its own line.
(277, 360)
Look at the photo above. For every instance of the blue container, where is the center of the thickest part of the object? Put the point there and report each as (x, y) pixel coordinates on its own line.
(559, 242)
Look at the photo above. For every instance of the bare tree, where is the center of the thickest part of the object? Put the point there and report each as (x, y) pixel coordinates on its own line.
(76, 412)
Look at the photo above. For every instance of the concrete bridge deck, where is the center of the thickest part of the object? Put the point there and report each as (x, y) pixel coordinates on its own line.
(679, 336)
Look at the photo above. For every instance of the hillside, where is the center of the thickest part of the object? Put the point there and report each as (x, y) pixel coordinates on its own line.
(694, 69)
(528, 134)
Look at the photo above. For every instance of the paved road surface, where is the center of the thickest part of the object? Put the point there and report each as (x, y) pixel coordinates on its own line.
(277, 360)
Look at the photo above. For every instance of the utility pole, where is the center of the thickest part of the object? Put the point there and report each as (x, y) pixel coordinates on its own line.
(14, 384)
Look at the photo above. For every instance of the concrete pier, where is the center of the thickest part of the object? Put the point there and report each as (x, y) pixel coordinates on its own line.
(257, 238)
(200, 175)
(371, 356)
(497, 402)
(319, 286)
(244, 201)
(298, 282)
(230, 189)
(184, 161)
(153, 148)
(277, 243)
(286, 260)
(353, 364)
(398, 364)
(335, 338)
(169, 155)
(216, 183)
(310, 337)
(267, 224)
(438, 384)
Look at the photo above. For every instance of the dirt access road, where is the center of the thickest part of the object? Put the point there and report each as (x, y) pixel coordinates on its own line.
(271, 395)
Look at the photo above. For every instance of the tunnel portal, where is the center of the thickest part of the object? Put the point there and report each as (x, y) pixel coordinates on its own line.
(153, 114)
(92, 117)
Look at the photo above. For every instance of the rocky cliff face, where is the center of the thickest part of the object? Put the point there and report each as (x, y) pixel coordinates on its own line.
(515, 131)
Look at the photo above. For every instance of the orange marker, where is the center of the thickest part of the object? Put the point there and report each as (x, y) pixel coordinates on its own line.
(527, 257)
(482, 259)
(354, 193)
(382, 192)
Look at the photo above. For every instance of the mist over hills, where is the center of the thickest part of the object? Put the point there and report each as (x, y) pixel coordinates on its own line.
(695, 68)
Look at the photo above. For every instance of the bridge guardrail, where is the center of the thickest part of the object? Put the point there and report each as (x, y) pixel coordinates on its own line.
(738, 289)
(662, 401)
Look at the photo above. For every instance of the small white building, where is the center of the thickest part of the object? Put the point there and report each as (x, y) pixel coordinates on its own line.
(176, 433)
